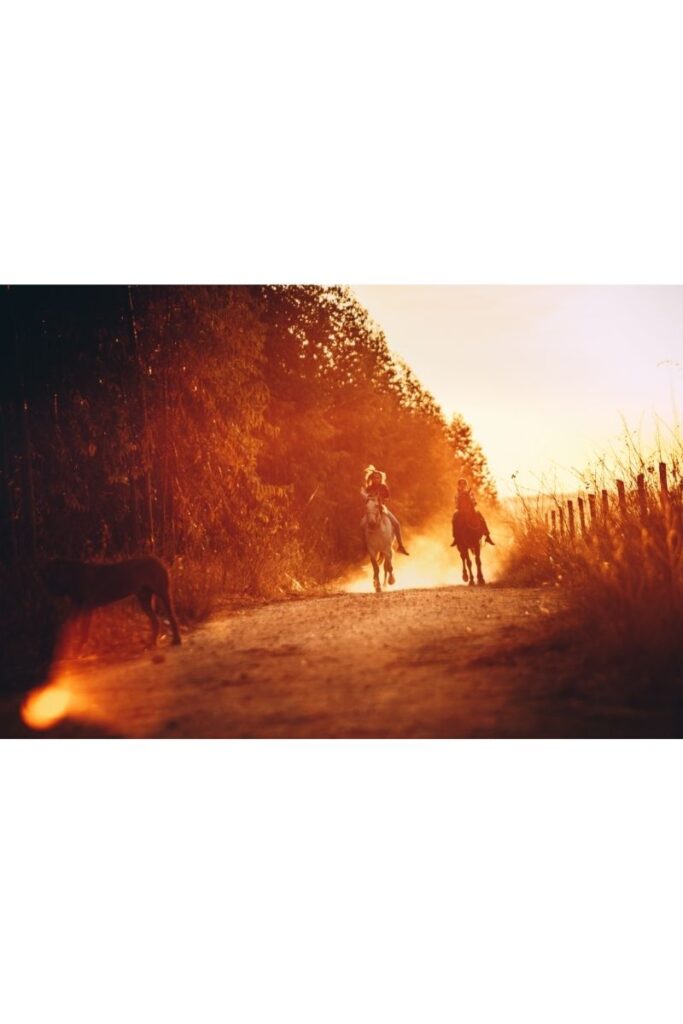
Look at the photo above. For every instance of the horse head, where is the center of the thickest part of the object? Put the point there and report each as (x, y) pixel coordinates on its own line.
(374, 512)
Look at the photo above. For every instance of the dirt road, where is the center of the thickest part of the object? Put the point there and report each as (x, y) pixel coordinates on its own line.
(446, 662)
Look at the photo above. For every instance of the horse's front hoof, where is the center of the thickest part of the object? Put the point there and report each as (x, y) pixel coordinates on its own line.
(471, 582)
(391, 580)
(465, 578)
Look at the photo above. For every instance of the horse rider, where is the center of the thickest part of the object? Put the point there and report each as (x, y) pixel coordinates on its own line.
(375, 486)
(466, 509)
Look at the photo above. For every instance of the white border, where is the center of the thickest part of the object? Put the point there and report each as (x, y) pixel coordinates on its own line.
(373, 143)
(364, 881)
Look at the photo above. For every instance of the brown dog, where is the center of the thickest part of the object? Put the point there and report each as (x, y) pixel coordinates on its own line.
(90, 585)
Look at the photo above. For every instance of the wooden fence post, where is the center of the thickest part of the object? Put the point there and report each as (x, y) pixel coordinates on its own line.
(642, 499)
(605, 504)
(622, 497)
(553, 518)
(663, 484)
(570, 516)
(561, 521)
(591, 506)
(582, 517)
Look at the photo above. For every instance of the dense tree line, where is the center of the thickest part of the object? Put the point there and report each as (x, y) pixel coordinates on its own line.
(226, 427)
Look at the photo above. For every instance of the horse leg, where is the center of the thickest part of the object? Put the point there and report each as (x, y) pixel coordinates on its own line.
(389, 571)
(463, 555)
(375, 575)
(477, 556)
(469, 569)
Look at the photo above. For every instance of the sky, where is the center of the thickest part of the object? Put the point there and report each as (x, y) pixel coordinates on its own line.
(546, 375)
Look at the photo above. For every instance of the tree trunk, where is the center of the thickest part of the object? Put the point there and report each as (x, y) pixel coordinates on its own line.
(29, 502)
(139, 371)
(7, 510)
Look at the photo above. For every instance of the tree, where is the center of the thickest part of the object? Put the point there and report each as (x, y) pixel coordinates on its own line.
(470, 459)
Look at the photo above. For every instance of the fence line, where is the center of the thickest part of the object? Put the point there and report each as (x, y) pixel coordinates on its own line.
(563, 516)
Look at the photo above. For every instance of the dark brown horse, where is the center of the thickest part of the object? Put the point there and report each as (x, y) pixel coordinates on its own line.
(467, 537)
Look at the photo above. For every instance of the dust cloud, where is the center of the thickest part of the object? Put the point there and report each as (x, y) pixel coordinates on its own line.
(431, 563)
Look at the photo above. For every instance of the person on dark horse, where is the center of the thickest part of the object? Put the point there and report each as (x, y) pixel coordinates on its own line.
(467, 513)
(469, 526)
(375, 486)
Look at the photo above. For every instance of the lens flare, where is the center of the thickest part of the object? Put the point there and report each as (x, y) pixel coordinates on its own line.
(68, 690)
(46, 706)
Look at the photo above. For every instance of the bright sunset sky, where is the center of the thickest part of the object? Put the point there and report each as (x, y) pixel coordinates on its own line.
(544, 374)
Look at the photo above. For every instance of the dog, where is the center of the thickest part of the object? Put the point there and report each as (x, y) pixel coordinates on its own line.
(90, 585)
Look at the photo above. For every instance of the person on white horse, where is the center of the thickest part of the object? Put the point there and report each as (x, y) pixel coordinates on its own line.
(375, 486)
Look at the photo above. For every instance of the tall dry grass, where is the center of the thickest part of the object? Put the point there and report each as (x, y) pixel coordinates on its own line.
(622, 577)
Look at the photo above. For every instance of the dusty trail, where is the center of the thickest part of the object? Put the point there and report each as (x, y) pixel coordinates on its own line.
(446, 662)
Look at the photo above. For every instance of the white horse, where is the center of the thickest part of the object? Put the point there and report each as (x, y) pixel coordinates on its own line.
(379, 536)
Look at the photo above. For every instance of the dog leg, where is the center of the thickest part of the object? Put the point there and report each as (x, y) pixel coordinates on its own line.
(145, 599)
(84, 632)
(165, 597)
